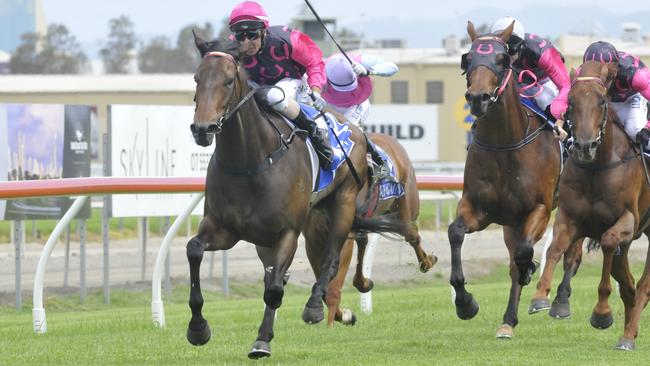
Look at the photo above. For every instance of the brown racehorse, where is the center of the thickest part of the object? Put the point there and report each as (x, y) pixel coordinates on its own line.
(511, 172)
(259, 188)
(406, 207)
(604, 195)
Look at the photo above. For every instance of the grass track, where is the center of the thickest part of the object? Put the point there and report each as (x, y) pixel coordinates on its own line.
(412, 324)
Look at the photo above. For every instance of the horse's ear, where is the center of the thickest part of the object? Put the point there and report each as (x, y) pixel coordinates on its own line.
(200, 43)
(604, 74)
(471, 31)
(573, 74)
(505, 35)
(612, 71)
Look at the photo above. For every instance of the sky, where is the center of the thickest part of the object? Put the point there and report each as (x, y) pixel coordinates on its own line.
(88, 19)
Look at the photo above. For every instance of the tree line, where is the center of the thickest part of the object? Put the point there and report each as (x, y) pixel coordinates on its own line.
(59, 52)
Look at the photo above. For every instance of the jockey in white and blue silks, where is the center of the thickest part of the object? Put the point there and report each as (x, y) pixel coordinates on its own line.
(348, 88)
(281, 56)
(630, 90)
(539, 67)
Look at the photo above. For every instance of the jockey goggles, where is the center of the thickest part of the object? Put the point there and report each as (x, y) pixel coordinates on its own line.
(250, 35)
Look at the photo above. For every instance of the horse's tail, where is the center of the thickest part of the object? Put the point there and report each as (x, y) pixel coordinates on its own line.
(384, 224)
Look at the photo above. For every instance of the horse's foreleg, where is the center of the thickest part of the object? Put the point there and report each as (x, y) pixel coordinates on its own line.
(619, 234)
(622, 275)
(333, 298)
(466, 221)
(533, 230)
(512, 237)
(561, 308)
(626, 342)
(360, 282)
(274, 278)
(564, 231)
(198, 331)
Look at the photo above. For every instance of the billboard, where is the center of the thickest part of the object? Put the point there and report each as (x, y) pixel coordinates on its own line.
(414, 125)
(43, 141)
(154, 141)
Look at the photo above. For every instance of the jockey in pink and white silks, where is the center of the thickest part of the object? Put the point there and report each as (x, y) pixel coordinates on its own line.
(539, 66)
(348, 88)
(349, 85)
(630, 90)
(289, 60)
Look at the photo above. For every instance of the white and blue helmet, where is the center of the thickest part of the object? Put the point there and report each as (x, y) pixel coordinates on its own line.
(518, 32)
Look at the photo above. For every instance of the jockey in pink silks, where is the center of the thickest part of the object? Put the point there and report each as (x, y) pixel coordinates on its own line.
(538, 64)
(630, 90)
(289, 60)
(348, 88)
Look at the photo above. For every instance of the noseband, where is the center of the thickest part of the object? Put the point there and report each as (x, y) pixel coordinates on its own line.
(603, 122)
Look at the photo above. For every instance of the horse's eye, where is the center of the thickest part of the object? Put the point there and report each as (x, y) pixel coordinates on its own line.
(229, 82)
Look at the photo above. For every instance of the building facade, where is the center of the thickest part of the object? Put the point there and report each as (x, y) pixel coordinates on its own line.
(18, 17)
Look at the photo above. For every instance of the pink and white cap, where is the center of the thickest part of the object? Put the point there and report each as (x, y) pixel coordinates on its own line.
(247, 11)
(344, 88)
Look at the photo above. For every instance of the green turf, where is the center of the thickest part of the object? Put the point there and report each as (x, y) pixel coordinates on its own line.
(412, 324)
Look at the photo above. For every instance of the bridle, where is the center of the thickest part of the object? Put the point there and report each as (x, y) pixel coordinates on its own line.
(230, 112)
(603, 122)
(482, 50)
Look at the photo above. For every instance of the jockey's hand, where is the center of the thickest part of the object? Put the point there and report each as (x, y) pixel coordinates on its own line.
(559, 132)
(359, 69)
(319, 103)
(643, 136)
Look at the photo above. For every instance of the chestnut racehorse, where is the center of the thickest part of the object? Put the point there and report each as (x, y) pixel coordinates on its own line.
(406, 207)
(604, 195)
(511, 172)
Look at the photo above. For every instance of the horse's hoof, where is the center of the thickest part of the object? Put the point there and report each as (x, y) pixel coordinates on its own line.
(198, 335)
(313, 315)
(560, 310)
(537, 305)
(365, 289)
(505, 331)
(601, 321)
(260, 349)
(428, 263)
(348, 317)
(468, 310)
(625, 344)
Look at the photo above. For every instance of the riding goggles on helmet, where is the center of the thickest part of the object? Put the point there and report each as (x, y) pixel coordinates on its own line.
(251, 35)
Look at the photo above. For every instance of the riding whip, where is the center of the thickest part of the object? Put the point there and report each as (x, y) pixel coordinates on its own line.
(328, 32)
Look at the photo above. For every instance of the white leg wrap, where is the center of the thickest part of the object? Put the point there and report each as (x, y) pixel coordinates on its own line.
(346, 316)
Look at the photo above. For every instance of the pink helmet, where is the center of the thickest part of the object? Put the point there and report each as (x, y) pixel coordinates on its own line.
(248, 15)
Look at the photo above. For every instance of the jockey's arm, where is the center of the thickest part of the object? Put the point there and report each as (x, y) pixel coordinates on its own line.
(378, 66)
(306, 53)
(551, 63)
(641, 83)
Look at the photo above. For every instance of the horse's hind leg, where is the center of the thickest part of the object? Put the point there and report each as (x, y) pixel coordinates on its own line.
(198, 331)
(427, 261)
(466, 221)
(333, 297)
(626, 342)
(560, 308)
(409, 208)
(360, 282)
(283, 253)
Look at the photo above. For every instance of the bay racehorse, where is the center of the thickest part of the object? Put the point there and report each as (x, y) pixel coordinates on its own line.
(604, 195)
(511, 172)
(259, 187)
(400, 199)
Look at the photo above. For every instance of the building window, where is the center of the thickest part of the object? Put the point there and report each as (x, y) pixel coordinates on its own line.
(399, 92)
(434, 92)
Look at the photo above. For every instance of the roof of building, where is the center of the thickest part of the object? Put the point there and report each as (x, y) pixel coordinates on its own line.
(413, 55)
(149, 83)
(575, 45)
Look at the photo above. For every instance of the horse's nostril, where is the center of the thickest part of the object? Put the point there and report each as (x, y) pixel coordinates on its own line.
(212, 128)
(485, 97)
(193, 128)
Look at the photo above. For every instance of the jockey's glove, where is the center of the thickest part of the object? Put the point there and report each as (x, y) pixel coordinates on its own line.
(643, 136)
(319, 103)
(359, 69)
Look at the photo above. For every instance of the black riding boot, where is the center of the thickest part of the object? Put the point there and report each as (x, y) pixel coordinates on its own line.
(323, 149)
(384, 172)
